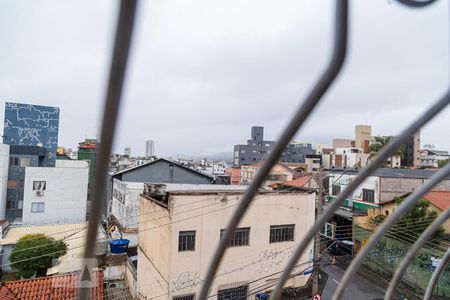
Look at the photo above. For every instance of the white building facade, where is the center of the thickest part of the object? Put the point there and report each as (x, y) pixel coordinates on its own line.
(125, 202)
(56, 194)
(180, 230)
(4, 165)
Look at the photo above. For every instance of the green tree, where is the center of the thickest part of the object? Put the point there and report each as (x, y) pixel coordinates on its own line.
(381, 141)
(442, 163)
(415, 221)
(34, 254)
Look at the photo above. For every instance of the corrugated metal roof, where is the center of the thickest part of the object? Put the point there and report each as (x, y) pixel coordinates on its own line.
(57, 231)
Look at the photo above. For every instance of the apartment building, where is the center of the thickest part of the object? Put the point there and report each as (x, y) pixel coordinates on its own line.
(179, 230)
(257, 149)
(383, 185)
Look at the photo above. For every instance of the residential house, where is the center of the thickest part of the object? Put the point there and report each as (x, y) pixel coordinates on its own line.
(128, 184)
(180, 228)
(74, 235)
(383, 185)
(278, 173)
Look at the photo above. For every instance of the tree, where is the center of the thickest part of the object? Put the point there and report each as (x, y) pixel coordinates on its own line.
(381, 141)
(415, 221)
(442, 163)
(34, 253)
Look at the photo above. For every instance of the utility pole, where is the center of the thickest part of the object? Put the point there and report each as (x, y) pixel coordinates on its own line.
(316, 263)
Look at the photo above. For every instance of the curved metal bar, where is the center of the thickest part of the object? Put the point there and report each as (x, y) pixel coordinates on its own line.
(387, 151)
(416, 4)
(424, 237)
(110, 112)
(387, 224)
(437, 273)
(331, 72)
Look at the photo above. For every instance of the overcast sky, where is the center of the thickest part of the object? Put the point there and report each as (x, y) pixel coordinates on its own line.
(202, 72)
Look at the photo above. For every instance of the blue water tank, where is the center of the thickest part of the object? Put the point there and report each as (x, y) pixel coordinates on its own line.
(119, 246)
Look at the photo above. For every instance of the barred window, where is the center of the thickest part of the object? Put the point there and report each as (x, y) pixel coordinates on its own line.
(336, 189)
(368, 195)
(186, 241)
(240, 237)
(238, 293)
(281, 233)
(184, 297)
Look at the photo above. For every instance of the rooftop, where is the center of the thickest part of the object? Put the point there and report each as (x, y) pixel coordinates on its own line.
(439, 199)
(53, 287)
(393, 173)
(57, 231)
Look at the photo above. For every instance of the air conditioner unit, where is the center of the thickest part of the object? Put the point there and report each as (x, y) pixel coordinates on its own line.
(40, 193)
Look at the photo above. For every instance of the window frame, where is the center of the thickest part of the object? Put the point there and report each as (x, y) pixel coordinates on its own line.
(365, 193)
(184, 297)
(240, 292)
(336, 188)
(39, 204)
(39, 182)
(234, 241)
(277, 234)
(183, 243)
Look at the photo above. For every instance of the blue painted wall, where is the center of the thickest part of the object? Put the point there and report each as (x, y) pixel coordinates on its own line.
(31, 125)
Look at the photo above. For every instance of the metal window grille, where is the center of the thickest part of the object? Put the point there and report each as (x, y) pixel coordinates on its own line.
(241, 237)
(368, 195)
(186, 241)
(237, 293)
(110, 113)
(184, 297)
(39, 185)
(281, 233)
(336, 189)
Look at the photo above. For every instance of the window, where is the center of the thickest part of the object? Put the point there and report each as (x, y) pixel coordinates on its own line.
(336, 189)
(184, 297)
(237, 293)
(368, 195)
(12, 184)
(21, 184)
(14, 161)
(39, 185)
(37, 207)
(24, 162)
(11, 204)
(281, 233)
(240, 237)
(186, 241)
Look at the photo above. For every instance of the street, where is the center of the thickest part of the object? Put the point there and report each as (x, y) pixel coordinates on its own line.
(358, 288)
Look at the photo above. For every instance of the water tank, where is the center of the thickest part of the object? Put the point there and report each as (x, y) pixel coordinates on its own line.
(119, 246)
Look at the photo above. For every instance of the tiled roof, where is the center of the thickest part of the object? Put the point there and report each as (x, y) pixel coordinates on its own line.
(57, 231)
(439, 199)
(300, 182)
(52, 287)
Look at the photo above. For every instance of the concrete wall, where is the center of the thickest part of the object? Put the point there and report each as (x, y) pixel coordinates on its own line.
(207, 214)
(392, 187)
(153, 250)
(125, 202)
(65, 195)
(159, 172)
(4, 165)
